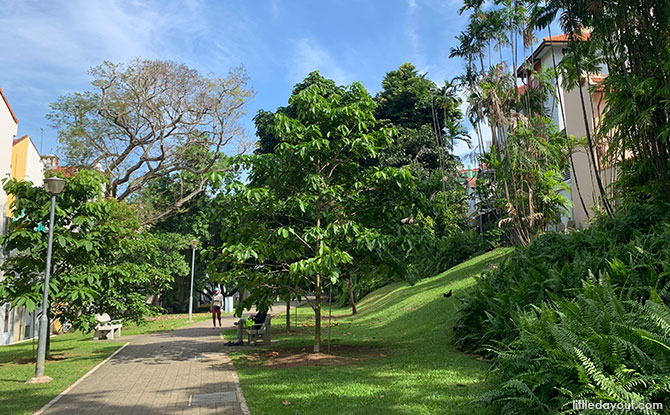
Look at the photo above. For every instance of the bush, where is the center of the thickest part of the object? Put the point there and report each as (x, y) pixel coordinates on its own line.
(597, 347)
(634, 248)
(579, 316)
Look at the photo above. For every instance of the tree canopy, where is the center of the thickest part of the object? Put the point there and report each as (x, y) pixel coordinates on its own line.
(304, 206)
(103, 261)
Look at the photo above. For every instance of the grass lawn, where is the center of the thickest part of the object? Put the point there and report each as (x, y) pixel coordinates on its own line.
(394, 357)
(72, 355)
(163, 323)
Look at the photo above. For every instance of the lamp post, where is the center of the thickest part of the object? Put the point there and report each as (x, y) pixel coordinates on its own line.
(194, 243)
(53, 186)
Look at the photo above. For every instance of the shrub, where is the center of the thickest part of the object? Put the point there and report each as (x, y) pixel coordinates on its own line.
(597, 347)
(579, 316)
(634, 248)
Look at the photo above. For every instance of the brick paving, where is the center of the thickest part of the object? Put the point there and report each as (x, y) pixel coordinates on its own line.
(159, 374)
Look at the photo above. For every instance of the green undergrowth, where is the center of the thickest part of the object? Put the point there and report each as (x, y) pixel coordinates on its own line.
(577, 316)
(394, 357)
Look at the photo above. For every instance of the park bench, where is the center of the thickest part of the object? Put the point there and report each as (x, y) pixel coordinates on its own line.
(260, 332)
(106, 327)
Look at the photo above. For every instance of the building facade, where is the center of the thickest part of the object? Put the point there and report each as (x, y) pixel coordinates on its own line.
(8, 129)
(574, 112)
(20, 160)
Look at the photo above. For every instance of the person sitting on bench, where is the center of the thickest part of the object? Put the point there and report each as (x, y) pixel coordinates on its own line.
(258, 319)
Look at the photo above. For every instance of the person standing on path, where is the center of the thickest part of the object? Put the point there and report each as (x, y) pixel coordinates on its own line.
(217, 303)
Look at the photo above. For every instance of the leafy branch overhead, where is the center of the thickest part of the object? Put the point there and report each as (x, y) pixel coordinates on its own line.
(148, 119)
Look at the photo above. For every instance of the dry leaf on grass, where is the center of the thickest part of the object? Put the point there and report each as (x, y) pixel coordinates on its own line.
(285, 402)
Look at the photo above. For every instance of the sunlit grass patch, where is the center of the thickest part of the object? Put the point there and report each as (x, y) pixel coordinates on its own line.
(394, 357)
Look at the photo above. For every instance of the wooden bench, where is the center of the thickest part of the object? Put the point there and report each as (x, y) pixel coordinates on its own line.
(107, 328)
(262, 333)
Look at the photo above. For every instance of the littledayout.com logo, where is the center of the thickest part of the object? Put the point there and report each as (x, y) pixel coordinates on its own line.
(617, 406)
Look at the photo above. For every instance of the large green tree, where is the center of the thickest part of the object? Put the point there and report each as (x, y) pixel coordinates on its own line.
(406, 98)
(300, 218)
(103, 260)
(428, 119)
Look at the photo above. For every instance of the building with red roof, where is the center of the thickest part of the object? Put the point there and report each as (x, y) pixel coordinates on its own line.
(566, 111)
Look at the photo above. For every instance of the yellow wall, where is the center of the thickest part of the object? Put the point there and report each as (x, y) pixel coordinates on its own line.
(19, 159)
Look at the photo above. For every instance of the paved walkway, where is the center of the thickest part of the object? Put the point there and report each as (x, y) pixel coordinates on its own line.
(183, 372)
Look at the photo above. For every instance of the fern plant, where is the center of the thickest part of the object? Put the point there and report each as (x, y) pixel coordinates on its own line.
(597, 347)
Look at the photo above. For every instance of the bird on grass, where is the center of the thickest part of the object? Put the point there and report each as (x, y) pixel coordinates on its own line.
(447, 295)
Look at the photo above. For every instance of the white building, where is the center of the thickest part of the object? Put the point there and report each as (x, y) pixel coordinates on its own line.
(19, 159)
(8, 129)
(565, 110)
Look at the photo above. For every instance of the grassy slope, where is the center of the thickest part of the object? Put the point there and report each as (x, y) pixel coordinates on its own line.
(413, 368)
(73, 354)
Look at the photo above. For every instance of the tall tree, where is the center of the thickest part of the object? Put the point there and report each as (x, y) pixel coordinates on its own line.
(302, 219)
(103, 260)
(145, 119)
(406, 98)
(428, 119)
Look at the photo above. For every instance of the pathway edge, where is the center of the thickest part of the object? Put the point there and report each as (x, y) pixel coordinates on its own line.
(238, 389)
(81, 379)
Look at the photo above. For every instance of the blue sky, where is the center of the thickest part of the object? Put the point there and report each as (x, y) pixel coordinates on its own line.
(46, 48)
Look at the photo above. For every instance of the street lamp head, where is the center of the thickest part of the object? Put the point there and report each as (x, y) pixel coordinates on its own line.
(194, 243)
(54, 185)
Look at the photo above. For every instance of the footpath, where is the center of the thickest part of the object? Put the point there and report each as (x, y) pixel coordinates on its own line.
(184, 371)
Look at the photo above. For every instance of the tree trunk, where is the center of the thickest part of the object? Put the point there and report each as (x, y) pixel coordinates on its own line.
(288, 316)
(352, 302)
(317, 315)
(47, 354)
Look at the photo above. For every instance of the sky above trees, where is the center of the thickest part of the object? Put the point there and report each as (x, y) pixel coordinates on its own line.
(46, 49)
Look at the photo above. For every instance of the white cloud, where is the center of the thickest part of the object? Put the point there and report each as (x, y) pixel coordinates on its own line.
(308, 56)
(48, 47)
(75, 35)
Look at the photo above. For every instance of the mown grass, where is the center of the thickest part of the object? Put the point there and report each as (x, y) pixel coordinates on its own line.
(72, 355)
(163, 323)
(395, 356)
